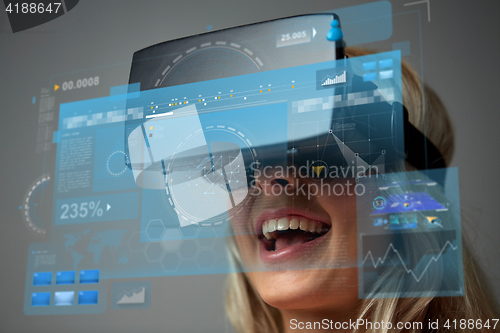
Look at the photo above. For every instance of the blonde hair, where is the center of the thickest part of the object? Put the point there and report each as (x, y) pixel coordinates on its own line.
(249, 313)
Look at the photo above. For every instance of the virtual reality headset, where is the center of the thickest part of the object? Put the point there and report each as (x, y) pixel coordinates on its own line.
(214, 107)
(268, 47)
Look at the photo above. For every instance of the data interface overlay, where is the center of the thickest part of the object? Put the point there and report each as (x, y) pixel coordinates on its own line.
(152, 179)
(409, 235)
(146, 182)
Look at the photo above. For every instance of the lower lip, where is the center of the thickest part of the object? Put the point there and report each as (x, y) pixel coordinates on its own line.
(291, 252)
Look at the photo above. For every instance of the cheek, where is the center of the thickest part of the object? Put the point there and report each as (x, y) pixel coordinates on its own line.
(241, 219)
(248, 250)
(342, 212)
(245, 240)
(244, 237)
(342, 247)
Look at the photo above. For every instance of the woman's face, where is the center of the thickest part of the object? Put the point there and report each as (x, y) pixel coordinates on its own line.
(297, 241)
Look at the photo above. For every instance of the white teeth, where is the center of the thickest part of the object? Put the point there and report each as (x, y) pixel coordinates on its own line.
(283, 224)
(312, 226)
(272, 225)
(303, 224)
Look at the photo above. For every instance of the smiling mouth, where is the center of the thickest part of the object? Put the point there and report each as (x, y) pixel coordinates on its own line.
(281, 233)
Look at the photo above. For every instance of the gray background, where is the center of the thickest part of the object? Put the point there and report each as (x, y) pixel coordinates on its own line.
(460, 53)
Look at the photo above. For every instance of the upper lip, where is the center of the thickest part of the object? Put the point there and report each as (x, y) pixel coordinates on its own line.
(283, 212)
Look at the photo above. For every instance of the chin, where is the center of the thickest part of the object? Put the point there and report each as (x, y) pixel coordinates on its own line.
(328, 289)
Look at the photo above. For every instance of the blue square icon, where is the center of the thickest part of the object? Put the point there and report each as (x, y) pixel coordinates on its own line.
(378, 222)
(369, 66)
(88, 297)
(393, 219)
(387, 63)
(64, 298)
(42, 279)
(386, 75)
(369, 77)
(67, 277)
(89, 276)
(40, 299)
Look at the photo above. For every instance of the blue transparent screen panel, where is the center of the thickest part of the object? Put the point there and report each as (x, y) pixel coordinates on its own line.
(410, 240)
(149, 184)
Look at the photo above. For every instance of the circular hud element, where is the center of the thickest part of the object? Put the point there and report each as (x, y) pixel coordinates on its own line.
(206, 187)
(318, 170)
(115, 165)
(36, 205)
(225, 59)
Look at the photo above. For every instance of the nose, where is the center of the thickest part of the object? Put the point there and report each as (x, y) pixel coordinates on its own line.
(274, 181)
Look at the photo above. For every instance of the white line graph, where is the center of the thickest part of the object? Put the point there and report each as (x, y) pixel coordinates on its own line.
(349, 156)
(137, 297)
(408, 271)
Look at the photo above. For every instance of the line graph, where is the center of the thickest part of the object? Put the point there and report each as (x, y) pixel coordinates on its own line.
(408, 271)
(133, 297)
(435, 258)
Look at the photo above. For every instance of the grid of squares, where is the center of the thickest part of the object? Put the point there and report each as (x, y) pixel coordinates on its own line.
(385, 70)
(65, 298)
